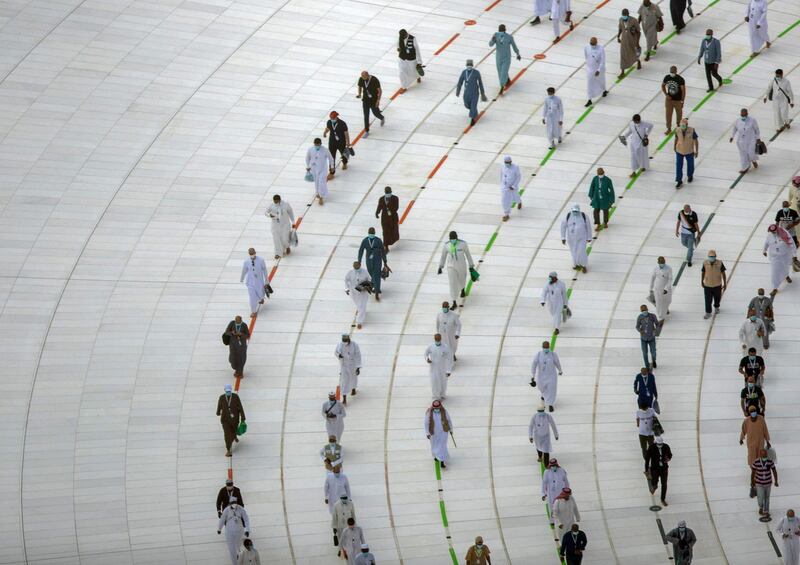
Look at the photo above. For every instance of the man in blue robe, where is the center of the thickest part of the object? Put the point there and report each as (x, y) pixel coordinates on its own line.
(471, 80)
(503, 43)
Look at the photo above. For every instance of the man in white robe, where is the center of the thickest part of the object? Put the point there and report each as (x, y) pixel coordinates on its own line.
(510, 177)
(448, 325)
(751, 332)
(560, 12)
(789, 530)
(365, 557)
(343, 510)
(438, 426)
(457, 256)
(282, 217)
(780, 92)
(540, 8)
(595, 56)
(554, 294)
(576, 230)
(553, 117)
(780, 248)
(237, 525)
(349, 355)
(545, 368)
(355, 289)
(350, 541)
(636, 136)
(554, 481)
(756, 18)
(320, 163)
(661, 287)
(539, 433)
(565, 510)
(440, 359)
(334, 415)
(336, 484)
(254, 276)
(746, 132)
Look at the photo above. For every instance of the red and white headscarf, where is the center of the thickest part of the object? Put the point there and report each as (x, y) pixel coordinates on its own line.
(781, 233)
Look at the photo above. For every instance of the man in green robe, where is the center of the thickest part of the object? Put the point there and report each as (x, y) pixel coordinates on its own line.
(601, 194)
(503, 43)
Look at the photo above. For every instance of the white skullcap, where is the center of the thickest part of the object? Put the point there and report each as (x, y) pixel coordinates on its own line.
(575, 206)
(507, 158)
(364, 546)
(552, 274)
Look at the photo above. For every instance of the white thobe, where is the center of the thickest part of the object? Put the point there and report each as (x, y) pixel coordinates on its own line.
(359, 297)
(746, 133)
(541, 7)
(349, 355)
(249, 557)
(457, 265)
(555, 296)
(780, 256)
(254, 275)
(639, 151)
(408, 69)
(336, 484)
(782, 96)
(661, 287)
(554, 480)
(342, 511)
(510, 177)
(232, 520)
(558, 13)
(789, 529)
(577, 231)
(334, 426)
(282, 217)
(320, 161)
(539, 430)
(441, 365)
(448, 325)
(748, 334)
(566, 512)
(553, 115)
(595, 63)
(439, 436)
(350, 539)
(544, 369)
(757, 24)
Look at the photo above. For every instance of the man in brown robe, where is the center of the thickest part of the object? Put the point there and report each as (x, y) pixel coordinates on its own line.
(230, 412)
(388, 206)
(628, 35)
(649, 16)
(478, 554)
(754, 428)
(235, 337)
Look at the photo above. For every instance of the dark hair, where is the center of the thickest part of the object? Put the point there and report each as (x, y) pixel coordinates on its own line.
(402, 38)
(637, 118)
(502, 27)
(248, 542)
(453, 235)
(317, 140)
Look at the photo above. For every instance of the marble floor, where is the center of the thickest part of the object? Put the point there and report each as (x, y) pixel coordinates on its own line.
(141, 142)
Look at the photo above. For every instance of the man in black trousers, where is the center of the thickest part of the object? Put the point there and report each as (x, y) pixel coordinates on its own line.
(224, 497)
(573, 543)
(657, 464)
(369, 90)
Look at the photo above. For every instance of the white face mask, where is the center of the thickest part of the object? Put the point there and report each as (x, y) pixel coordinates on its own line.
(600, 176)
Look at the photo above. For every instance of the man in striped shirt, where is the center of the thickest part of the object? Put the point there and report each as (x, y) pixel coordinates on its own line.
(762, 472)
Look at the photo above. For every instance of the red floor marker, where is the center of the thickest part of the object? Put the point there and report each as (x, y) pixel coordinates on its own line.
(358, 137)
(407, 210)
(436, 168)
(601, 4)
(539, 56)
(271, 274)
(469, 127)
(519, 74)
(396, 94)
(252, 325)
(492, 5)
(449, 41)
(471, 22)
(237, 383)
(230, 470)
(298, 222)
(338, 393)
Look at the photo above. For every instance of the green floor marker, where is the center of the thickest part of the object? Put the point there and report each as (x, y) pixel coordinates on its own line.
(666, 139)
(438, 469)
(469, 287)
(585, 113)
(547, 157)
(633, 180)
(727, 81)
(743, 65)
(491, 240)
(670, 36)
(624, 76)
(453, 556)
(553, 339)
(444, 513)
(788, 29)
(704, 100)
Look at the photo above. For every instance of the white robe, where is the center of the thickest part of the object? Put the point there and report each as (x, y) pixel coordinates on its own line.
(350, 539)
(335, 487)
(334, 426)
(349, 362)
(748, 335)
(249, 557)
(231, 520)
(539, 430)
(780, 100)
(595, 62)
(320, 162)
(439, 437)
(558, 13)
(541, 7)
(441, 365)
(553, 482)
(448, 325)
(408, 69)
(553, 115)
(746, 133)
(566, 512)
(577, 231)
(789, 530)
(342, 511)
(359, 297)
(780, 257)
(759, 35)
(555, 296)
(660, 281)
(544, 369)
(254, 275)
(639, 151)
(510, 178)
(282, 217)
(457, 267)
(364, 559)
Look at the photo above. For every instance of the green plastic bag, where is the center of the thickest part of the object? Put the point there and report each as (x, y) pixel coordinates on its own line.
(474, 275)
(242, 429)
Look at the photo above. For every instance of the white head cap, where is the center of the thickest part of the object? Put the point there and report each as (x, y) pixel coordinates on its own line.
(507, 158)
(553, 274)
(576, 207)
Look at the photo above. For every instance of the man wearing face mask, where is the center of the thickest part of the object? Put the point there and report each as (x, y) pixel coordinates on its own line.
(595, 56)
(448, 325)
(752, 365)
(751, 332)
(249, 556)
(375, 250)
(780, 92)
(339, 139)
(573, 544)
(503, 43)
(682, 540)
(711, 54)
(334, 414)
(686, 148)
(237, 333)
(231, 414)
(331, 454)
(560, 12)
(478, 554)
(628, 35)
(644, 421)
(544, 366)
(645, 389)
(674, 88)
(356, 285)
(369, 90)
(789, 529)
(539, 433)
(688, 229)
(754, 429)
(752, 396)
(554, 481)
(282, 217)
(602, 197)
(336, 485)
(225, 496)
(577, 231)
(714, 281)
(747, 134)
(553, 117)
(438, 426)
(440, 359)
(350, 541)
(762, 471)
(510, 177)
(254, 276)
(320, 163)
(470, 79)
(657, 464)
(637, 141)
(365, 557)
(789, 219)
(343, 510)
(648, 327)
(457, 256)
(651, 18)
(349, 355)
(554, 294)
(756, 18)
(388, 205)
(565, 509)
(781, 250)
(762, 306)
(237, 525)
(661, 289)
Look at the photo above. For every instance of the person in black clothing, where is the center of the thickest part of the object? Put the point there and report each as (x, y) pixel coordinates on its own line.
(573, 544)
(676, 10)
(673, 86)
(657, 464)
(369, 90)
(752, 395)
(225, 494)
(231, 413)
(235, 337)
(339, 139)
(388, 206)
(752, 365)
